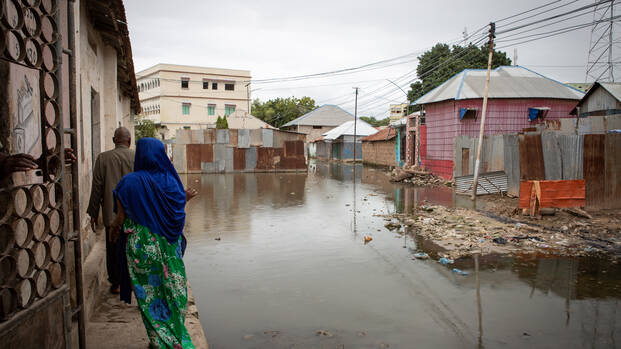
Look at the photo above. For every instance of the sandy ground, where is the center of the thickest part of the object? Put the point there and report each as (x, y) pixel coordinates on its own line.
(116, 324)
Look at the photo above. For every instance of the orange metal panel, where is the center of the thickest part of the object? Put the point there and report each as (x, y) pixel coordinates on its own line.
(554, 194)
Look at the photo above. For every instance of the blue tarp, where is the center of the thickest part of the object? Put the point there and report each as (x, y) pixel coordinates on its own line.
(532, 113)
(462, 112)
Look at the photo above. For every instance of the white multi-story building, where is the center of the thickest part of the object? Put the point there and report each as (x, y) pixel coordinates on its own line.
(181, 96)
(398, 111)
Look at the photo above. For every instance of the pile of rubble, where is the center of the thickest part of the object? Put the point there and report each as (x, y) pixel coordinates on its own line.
(462, 232)
(417, 176)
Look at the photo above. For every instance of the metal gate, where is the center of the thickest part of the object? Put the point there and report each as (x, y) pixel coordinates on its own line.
(35, 292)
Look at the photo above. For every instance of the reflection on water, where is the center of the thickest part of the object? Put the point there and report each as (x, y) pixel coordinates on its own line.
(290, 263)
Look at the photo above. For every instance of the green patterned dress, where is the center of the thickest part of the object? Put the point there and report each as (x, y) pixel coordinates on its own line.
(158, 276)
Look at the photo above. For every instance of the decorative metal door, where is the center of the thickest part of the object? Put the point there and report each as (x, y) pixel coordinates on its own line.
(35, 309)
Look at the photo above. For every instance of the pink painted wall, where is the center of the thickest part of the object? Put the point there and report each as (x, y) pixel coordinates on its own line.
(504, 116)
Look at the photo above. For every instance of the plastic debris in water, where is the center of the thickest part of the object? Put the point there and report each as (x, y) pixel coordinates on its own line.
(445, 261)
(367, 239)
(460, 272)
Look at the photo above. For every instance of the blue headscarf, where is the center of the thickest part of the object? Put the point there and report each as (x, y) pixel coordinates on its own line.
(153, 195)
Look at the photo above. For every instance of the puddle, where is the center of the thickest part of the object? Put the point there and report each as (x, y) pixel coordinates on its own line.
(291, 262)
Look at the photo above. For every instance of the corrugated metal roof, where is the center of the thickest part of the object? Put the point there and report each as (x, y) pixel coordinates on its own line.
(326, 115)
(505, 82)
(613, 88)
(347, 129)
(383, 135)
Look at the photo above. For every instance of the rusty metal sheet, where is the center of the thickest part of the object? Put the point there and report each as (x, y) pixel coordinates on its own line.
(555, 194)
(206, 152)
(239, 159)
(613, 170)
(277, 157)
(531, 157)
(293, 148)
(210, 136)
(593, 169)
(233, 138)
(193, 156)
(265, 158)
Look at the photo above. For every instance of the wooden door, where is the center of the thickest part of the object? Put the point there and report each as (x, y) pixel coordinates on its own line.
(465, 161)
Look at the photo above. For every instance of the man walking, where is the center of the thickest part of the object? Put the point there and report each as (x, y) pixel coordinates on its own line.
(110, 167)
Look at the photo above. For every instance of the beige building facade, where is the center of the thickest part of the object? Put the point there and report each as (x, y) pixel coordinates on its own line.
(398, 111)
(190, 97)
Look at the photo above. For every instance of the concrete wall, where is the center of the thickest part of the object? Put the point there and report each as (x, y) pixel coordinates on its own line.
(161, 91)
(312, 132)
(595, 124)
(97, 76)
(379, 153)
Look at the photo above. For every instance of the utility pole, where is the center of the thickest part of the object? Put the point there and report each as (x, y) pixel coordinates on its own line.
(355, 133)
(475, 182)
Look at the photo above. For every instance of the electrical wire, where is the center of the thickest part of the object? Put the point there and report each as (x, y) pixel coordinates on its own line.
(553, 17)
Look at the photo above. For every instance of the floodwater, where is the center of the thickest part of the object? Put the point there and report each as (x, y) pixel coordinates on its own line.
(278, 261)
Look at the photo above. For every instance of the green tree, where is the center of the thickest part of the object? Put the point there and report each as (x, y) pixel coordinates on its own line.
(374, 122)
(441, 62)
(145, 128)
(280, 111)
(222, 123)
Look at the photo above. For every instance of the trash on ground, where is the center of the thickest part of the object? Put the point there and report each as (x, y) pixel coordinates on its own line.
(460, 272)
(367, 239)
(445, 261)
(323, 333)
(421, 255)
(500, 241)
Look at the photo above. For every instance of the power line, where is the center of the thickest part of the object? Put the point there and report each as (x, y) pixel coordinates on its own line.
(553, 17)
(528, 11)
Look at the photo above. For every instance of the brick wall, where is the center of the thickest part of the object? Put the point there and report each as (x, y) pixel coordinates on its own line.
(379, 153)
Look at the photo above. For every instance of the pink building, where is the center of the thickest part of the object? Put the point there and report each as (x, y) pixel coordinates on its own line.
(519, 98)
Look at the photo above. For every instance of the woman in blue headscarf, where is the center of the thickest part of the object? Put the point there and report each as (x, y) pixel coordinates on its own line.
(150, 204)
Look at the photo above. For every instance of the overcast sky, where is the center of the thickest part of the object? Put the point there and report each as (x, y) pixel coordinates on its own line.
(289, 38)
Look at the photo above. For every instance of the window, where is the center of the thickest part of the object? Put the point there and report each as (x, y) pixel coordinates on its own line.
(186, 127)
(205, 84)
(467, 113)
(185, 108)
(214, 86)
(537, 113)
(317, 127)
(211, 109)
(229, 87)
(229, 109)
(185, 82)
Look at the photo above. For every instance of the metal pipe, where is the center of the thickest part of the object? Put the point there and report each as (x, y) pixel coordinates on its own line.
(75, 185)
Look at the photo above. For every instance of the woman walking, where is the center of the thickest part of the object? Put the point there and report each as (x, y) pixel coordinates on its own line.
(150, 204)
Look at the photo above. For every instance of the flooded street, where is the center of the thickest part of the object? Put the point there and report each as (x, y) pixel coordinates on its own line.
(278, 261)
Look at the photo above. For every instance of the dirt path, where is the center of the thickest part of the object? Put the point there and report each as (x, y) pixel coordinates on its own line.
(116, 324)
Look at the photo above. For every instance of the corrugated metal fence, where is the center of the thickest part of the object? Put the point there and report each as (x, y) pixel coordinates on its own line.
(218, 151)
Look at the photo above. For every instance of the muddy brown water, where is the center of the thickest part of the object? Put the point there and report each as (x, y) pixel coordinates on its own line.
(291, 270)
